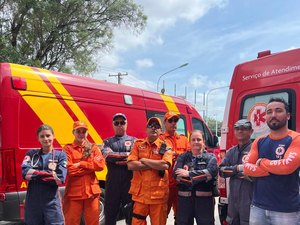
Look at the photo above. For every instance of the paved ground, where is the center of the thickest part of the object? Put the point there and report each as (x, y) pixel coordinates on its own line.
(169, 222)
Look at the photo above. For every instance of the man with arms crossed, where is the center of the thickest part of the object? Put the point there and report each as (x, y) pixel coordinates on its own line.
(241, 187)
(149, 185)
(116, 150)
(274, 160)
(179, 144)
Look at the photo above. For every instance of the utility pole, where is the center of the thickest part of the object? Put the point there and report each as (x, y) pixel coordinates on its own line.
(119, 75)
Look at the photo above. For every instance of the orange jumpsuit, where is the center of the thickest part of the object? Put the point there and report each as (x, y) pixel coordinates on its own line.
(149, 190)
(179, 144)
(82, 187)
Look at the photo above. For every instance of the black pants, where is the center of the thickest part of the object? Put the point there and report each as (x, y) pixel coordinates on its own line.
(116, 195)
(200, 208)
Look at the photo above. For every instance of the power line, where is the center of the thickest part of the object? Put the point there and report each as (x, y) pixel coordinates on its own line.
(119, 75)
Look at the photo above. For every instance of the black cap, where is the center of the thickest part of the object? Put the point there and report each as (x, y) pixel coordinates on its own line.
(243, 123)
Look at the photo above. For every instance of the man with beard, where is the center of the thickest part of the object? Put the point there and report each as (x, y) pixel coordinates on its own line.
(274, 160)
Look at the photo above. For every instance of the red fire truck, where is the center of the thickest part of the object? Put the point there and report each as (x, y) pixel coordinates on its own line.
(31, 96)
(252, 85)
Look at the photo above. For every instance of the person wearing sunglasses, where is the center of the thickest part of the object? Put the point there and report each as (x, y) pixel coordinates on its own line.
(45, 169)
(116, 150)
(82, 189)
(179, 144)
(149, 187)
(241, 186)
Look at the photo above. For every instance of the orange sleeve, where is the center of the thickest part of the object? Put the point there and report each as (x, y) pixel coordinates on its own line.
(289, 163)
(250, 167)
(168, 156)
(96, 163)
(134, 156)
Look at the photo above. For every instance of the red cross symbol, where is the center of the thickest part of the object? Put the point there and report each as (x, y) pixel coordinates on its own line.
(259, 117)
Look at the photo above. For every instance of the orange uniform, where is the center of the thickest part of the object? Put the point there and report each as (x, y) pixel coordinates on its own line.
(149, 190)
(82, 187)
(179, 144)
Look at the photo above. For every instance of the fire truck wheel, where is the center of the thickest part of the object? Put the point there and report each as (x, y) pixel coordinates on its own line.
(101, 201)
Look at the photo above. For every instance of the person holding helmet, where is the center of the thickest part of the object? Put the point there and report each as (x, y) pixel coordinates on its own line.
(240, 186)
(150, 160)
(116, 150)
(179, 144)
(82, 189)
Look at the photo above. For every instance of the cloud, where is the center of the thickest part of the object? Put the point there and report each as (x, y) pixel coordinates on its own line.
(204, 82)
(144, 63)
(163, 15)
(170, 11)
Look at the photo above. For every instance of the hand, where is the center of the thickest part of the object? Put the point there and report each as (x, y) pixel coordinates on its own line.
(76, 164)
(240, 168)
(182, 172)
(106, 152)
(143, 160)
(258, 162)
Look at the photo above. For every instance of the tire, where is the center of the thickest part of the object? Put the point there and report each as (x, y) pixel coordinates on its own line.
(101, 201)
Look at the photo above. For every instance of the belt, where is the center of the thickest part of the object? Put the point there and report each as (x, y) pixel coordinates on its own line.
(185, 193)
(197, 193)
(203, 193)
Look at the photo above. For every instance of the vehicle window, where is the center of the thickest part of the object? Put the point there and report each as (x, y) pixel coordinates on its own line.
(254, 109)
(181, 125)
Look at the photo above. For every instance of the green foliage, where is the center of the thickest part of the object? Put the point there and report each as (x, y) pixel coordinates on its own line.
(211, 122)
(63, 34)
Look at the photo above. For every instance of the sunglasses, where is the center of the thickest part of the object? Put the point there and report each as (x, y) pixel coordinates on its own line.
(242, 128)
(154, 125)
(117, 123)
(171, 120)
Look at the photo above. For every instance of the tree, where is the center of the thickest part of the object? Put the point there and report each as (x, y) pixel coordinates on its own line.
(213, 124)
(63, 34)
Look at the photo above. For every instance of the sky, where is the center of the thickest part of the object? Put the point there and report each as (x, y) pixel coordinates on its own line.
(212, 36)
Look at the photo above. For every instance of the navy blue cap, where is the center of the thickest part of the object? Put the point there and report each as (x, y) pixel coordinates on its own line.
(119, 115)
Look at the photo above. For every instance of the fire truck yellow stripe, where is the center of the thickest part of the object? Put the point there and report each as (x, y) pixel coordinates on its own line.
(59, 118)
(73, 105)
(169, 102)
(44, 103)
